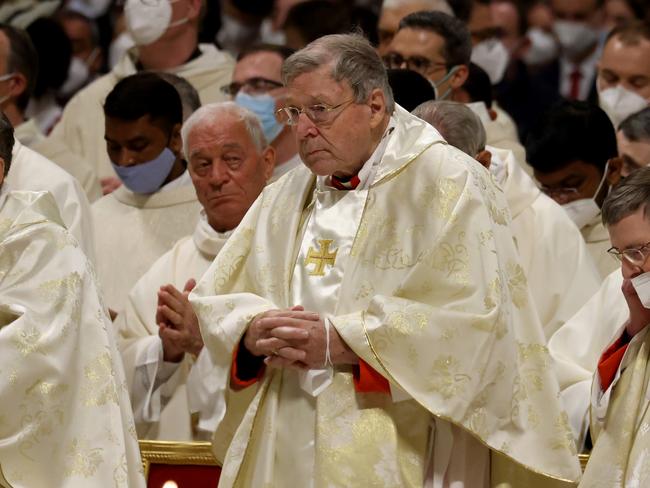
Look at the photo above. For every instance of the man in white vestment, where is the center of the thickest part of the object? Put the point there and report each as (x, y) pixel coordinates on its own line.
(166, 37)
(257, 86)
(560, 272)
(370, 300)
(619, 422)
(156, 205)
(229, 162)
(577, 345)
(65, 415)
(570, 150)
(18, 70)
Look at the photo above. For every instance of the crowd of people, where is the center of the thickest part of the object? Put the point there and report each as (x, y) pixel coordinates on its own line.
(351, 243)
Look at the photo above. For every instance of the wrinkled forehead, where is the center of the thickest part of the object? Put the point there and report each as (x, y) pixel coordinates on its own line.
(317, 86)
(261, 64)
(227, 133)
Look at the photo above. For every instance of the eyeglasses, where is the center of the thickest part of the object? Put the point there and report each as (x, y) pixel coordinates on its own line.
(319, 114)
(415, 63)
(253, 85)
(636, 255)
(565, 192)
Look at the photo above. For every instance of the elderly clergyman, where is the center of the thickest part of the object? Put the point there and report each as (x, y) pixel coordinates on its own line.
(229, 162)
(375, 300)
(65, 417)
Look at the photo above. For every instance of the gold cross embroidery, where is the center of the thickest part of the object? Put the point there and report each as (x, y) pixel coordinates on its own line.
(321, 258)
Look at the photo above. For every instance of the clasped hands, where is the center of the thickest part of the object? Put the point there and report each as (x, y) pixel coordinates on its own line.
(295, 338)
(178, 326)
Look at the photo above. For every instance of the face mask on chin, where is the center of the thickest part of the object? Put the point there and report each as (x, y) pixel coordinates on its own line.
(78, 74)
(584, 210)
(619, 103)
(575, 37)
(146, 178)
(493, 57)
(263, 106)
(147, 21)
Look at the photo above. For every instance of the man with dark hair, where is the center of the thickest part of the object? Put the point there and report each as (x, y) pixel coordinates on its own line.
(66, 417)
(18, 68)
(257, 86)
(577, 26)
(601, 318)
(624, 71)
(156, 205)
(569, 150)
(392, 11)
(437, 46)
(169, 45)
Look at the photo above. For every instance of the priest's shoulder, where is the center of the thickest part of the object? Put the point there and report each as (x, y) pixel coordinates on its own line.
(22, 209)
(444, 160)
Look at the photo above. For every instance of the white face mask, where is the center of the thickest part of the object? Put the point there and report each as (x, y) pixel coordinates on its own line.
(234, 35)
(575, 37)
(585, 210)
(119, 46)
(543, 47)
(619, 103)
(78, 74)
(90, 8)
(480, 109)
(493, 57)
(641, 285)
(148, 20)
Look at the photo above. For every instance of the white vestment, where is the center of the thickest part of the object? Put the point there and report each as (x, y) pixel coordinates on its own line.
(561, 274)
(502, 133)
(30, 171)
(280, 170)
(65, 415)
(161, 392)
(81, 127)
(597, 239)
(576, 348)
(132, 231)
(417, 270)
(29, 135)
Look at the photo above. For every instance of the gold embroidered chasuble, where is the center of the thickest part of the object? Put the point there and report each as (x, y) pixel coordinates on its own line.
(431, 296)
(622, 438)
(65, 416)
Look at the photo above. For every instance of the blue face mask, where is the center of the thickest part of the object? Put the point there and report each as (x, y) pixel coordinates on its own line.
(264, 107)
(147, 177)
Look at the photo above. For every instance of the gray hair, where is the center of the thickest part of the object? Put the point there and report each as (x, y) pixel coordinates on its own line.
(189, 96)
(6, 140)
(636, 127)
(628, 196)
(438, 5)
(457, 123)
(211, 112)
(353, 60)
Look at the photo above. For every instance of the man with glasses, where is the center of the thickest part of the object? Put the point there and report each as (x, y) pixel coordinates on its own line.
(593, 326)
(362, 294)
(620, 392)
(257, 85)
(437, 46)
(570, 149)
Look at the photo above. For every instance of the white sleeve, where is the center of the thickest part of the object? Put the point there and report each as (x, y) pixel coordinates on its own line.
(205, 397)
(154, 381)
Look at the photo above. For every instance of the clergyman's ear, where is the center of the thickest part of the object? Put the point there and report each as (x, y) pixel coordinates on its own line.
(614, 169)
(485, 158)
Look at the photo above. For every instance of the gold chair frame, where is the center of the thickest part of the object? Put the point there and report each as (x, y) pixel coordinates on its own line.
(176, 453)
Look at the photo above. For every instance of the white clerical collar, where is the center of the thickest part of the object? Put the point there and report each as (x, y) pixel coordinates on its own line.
(182, 180)
(208, 240)
(367, 172)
